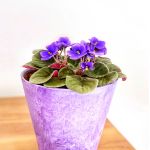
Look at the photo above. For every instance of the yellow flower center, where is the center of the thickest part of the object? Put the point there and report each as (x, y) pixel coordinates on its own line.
(88, 59)
(86, 68)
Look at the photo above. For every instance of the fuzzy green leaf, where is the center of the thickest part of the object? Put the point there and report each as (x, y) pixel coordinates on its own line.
(41, 76)
(113, 67)
(36, 60)
(30, 65)
(81, 84)
(73, 63)
(104, 60)
(100, 69)
(36, 51)
(123, 76)
(63, 72)
(55, 82)
(107, 79)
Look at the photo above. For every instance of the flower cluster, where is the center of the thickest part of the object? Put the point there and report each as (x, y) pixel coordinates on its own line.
(80, 67)
(53, 48)
(85, 51)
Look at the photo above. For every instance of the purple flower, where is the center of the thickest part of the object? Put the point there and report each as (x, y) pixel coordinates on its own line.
(97, 46)
(77, 51)
(87, 65)
(63, 42)
(50, 52)
(89, 48)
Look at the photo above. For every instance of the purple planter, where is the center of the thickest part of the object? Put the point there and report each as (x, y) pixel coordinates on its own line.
(66, 120)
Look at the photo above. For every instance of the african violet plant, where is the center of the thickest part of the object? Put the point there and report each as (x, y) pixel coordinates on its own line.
(76, 66)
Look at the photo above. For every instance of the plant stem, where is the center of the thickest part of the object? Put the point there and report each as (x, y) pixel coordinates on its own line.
(94, 59)
(61, 52)
(65, 56)
(55, 59)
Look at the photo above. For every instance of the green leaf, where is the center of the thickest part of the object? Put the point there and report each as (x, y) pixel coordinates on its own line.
(81, 84)
(113, 67)
(100, 69)
(55, 82)
(41, 76)
(104, 60)
(36, 51)
(107, 79)
(30, 65)
(123, 76)
(63, 72)
(73, 63)
(36, 60)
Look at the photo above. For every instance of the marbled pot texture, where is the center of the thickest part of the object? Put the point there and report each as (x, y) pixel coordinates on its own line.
(66, 120)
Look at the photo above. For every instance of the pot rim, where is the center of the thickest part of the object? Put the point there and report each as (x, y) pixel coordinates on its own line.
(56, 88)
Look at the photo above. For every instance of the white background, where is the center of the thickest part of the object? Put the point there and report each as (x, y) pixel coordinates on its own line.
(30, 24)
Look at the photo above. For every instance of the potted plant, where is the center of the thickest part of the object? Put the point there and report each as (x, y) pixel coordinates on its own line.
(69, 87)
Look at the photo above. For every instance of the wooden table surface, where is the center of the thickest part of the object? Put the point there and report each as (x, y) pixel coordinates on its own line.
(16, 131)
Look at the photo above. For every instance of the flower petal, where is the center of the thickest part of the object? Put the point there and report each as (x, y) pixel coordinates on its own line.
(91, 48)
(83, 65)
(93, 40)
(90, 65)
(101, 52)
(75, 57)
(77, 51)
(46, 58)
(45, 55)
(53, 48)
(63, 42)
(100, 44)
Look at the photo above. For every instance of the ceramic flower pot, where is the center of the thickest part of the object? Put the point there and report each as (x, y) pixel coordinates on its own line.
(66, 120)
